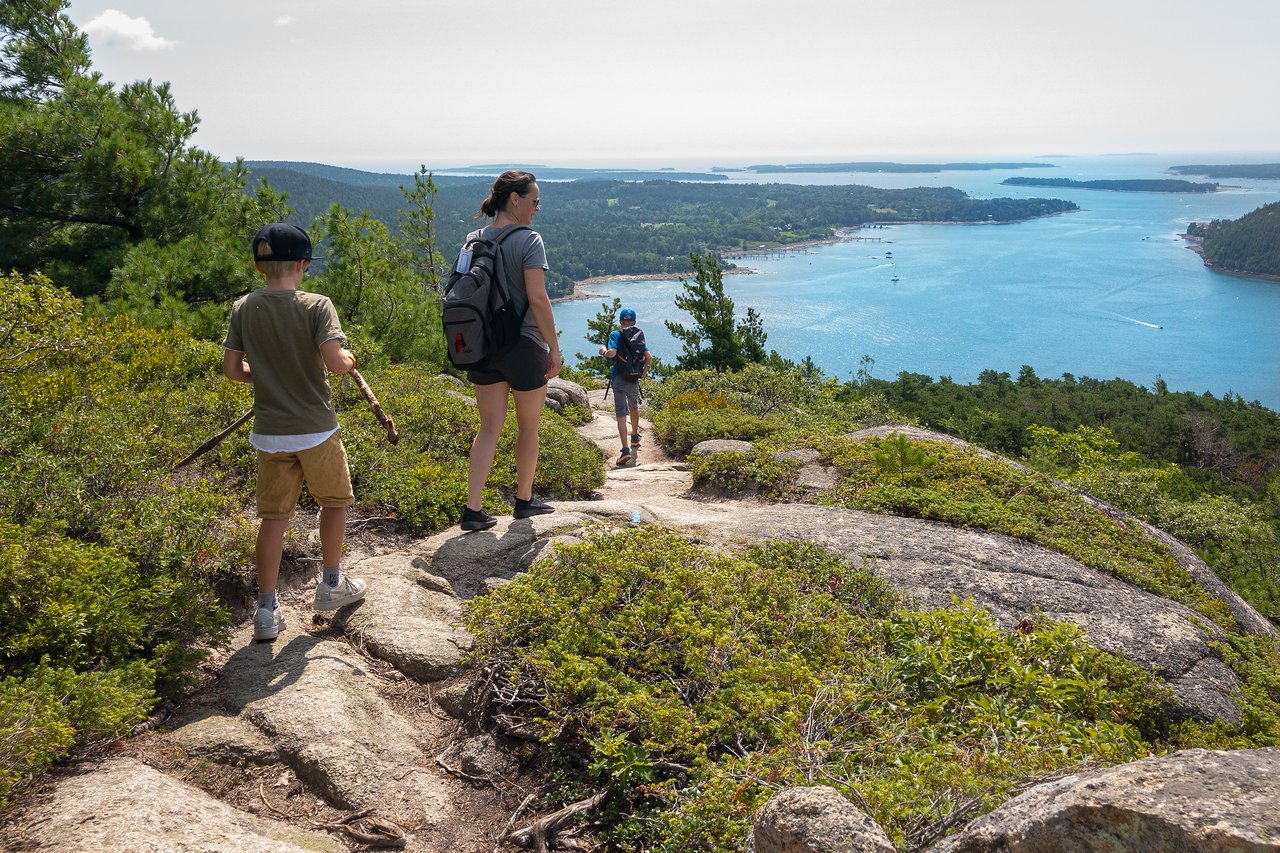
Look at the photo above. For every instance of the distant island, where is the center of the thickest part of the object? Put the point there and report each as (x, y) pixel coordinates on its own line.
(567, 173)
(1264, 171)
(1249, 245)
(877, 166)
(1154, 185)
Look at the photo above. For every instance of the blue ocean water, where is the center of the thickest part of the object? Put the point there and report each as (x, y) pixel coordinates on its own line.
(1108, 291)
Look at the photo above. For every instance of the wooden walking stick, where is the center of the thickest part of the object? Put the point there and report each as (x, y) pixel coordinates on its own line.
(393, 435)
(383, 418)
(213, 442)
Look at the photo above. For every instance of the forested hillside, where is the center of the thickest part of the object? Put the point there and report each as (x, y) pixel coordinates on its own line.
(631, 227)
(1250, 244)
(1238, 441)
(1265, 171)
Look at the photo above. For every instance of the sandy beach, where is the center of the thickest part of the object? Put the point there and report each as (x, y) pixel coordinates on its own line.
(581, 289)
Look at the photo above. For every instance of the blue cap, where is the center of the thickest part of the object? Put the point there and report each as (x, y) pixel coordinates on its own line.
(627, 314)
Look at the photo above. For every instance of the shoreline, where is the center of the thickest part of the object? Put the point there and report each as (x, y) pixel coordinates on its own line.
(1193, 244)
(581, 288)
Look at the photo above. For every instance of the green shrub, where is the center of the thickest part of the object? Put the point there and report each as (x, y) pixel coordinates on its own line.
(692, 684)
(52, 709)
(733, 473)
(1234, 537)
(804, 400)
(681, 430)
(423, 479)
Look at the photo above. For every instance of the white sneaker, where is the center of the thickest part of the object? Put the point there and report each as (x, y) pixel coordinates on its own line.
(348, 591)
(268, 623)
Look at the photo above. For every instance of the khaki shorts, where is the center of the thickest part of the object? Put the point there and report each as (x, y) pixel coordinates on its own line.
(323, 467)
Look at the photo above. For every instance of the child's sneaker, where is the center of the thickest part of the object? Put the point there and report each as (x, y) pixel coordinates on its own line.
(348, 591)
(267, 623)
(624, 457)
(635, 439)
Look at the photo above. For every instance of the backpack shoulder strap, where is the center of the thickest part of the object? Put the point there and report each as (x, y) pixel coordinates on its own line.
(499, 267)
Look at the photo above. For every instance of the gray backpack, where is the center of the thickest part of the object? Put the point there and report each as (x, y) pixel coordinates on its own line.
(479, 317)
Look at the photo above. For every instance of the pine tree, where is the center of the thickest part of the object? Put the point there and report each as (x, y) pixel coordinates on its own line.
(715, 341)
(96, 174)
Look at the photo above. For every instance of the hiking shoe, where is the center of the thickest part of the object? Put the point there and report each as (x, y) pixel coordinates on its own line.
(635, 439)
(533, 506)
(624, 457)
(348, 591)
(267, 623)
(476, 519)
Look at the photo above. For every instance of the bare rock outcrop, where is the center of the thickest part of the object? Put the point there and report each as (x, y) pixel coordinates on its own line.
(123, 804)
(816, 820)
(1249, 620)
(317, 701)
(413, 627)
(1197, 801)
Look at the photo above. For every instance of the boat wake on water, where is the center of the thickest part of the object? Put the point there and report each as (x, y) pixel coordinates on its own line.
(1134, 321)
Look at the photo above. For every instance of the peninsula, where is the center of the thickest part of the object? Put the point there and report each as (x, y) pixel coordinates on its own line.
(1262, 171)
(1145, 185)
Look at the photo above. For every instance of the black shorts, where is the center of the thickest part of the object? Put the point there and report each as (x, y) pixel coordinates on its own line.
(523, 367)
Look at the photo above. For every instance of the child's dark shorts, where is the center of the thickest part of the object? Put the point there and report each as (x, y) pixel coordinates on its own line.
(523, 367)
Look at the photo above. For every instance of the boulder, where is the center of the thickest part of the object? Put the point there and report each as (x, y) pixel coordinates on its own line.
(1198, 801)
(466, 559)
(722, 445)
(812, 475)
(567, 393)
(816, 820)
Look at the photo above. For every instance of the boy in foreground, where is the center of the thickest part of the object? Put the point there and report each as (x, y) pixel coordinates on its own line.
(289, 337)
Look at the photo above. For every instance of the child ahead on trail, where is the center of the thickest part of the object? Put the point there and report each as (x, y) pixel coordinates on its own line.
(631, 359)
(280, 340)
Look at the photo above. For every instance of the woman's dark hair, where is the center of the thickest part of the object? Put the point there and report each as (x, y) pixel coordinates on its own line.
(510, 181)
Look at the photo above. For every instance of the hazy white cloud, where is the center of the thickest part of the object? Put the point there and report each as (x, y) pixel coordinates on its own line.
(674, 82)
(115, 27)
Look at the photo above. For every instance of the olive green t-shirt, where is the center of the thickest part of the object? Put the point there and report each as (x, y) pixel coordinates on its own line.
(280, 333)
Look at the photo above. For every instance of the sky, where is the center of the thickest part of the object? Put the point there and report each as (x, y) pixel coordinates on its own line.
(390, 85)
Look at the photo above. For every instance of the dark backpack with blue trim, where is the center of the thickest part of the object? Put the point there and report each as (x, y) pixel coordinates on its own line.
(479, 317)
(630, 357)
